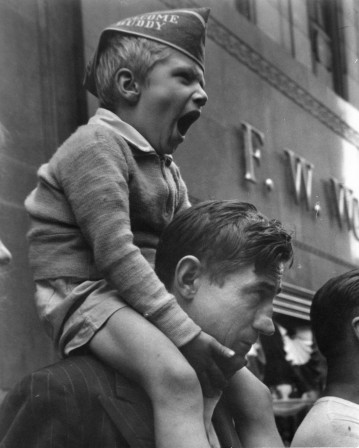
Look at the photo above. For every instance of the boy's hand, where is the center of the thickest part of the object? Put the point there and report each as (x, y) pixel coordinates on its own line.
(213, 362)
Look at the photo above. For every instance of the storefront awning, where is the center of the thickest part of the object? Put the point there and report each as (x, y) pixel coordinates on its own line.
(294, 301)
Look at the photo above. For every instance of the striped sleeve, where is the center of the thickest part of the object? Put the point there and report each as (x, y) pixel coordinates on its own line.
(41, 414)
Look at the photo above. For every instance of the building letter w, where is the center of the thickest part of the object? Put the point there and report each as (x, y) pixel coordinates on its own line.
(346, 206)
(301, 173)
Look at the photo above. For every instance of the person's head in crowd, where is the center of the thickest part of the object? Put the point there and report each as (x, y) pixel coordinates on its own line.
(333, 420)
(224, 262)
(334, 316)
(149, 70)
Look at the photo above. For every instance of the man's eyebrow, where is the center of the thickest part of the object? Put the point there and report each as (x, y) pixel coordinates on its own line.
(263, 285)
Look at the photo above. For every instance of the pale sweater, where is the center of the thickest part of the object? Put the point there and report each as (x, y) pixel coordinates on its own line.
(98, 211)
(332, 422)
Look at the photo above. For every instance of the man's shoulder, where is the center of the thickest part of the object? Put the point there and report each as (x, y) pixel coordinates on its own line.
(87, 376)
(312, 429)
(82, 366)
(75, 375)
(330, 421)
(68, 398)
(336, 408)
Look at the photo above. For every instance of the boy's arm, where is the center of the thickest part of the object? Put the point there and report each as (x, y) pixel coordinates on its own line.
(96, 183)
(250, 403)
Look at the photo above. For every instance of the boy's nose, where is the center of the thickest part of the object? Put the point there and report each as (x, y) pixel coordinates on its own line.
(5, 255)
(200, 97)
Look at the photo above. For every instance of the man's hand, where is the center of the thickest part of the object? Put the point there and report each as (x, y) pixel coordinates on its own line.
(213, 362)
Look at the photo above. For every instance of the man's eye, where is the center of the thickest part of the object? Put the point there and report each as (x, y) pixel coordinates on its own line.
(261, 295)
(255, 295)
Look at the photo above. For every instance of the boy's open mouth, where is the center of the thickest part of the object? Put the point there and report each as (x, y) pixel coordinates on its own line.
(185, 122)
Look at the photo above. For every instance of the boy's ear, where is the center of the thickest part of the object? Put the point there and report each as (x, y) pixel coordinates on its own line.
(187, 276)
(127, 85)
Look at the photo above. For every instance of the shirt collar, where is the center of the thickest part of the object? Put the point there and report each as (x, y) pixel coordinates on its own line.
(107, 118)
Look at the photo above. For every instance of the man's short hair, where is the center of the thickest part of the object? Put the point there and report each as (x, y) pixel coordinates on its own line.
(135, 53)
(224, 236)
(333, 307)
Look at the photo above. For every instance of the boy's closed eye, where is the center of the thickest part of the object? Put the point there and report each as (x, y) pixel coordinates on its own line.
(189, 76)
(185, 76)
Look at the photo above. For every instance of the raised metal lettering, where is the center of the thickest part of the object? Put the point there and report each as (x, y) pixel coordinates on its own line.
(302, 174)
(346, 206)
(253, 140)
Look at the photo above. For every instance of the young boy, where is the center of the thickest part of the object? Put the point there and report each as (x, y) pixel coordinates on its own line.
(98, 210)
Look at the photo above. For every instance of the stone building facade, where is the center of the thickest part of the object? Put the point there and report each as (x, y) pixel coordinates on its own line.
(280, 130)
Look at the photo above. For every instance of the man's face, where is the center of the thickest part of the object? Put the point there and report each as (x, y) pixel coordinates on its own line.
(171, 99)
(237, 312)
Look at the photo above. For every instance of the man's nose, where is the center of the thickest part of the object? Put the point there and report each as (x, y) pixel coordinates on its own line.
(5, 255)
(200, 96)
(264, 325)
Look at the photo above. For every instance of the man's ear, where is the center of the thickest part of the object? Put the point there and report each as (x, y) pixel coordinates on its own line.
(355, 327)
(127, 85)
(187, 276)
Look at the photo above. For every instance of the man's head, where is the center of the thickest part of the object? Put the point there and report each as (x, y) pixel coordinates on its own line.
(334, 315)
(149, 70)
(223, 260)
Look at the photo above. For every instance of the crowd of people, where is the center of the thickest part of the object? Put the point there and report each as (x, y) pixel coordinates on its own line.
(154, 304)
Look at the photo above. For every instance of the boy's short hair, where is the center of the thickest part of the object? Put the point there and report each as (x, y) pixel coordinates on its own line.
(224, 236)
(135, 53)
(333, 307)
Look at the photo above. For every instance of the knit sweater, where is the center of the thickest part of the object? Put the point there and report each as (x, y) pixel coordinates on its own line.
(98, 211)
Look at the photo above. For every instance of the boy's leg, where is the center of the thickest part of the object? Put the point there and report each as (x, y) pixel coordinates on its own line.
(136, 348)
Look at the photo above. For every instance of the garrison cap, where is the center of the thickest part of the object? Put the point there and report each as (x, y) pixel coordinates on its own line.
(182, 29)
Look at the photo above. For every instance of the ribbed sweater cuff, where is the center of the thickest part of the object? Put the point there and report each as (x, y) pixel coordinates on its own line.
(175, 324)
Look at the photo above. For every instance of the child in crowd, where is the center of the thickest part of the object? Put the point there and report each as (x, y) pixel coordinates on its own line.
(99, 208)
